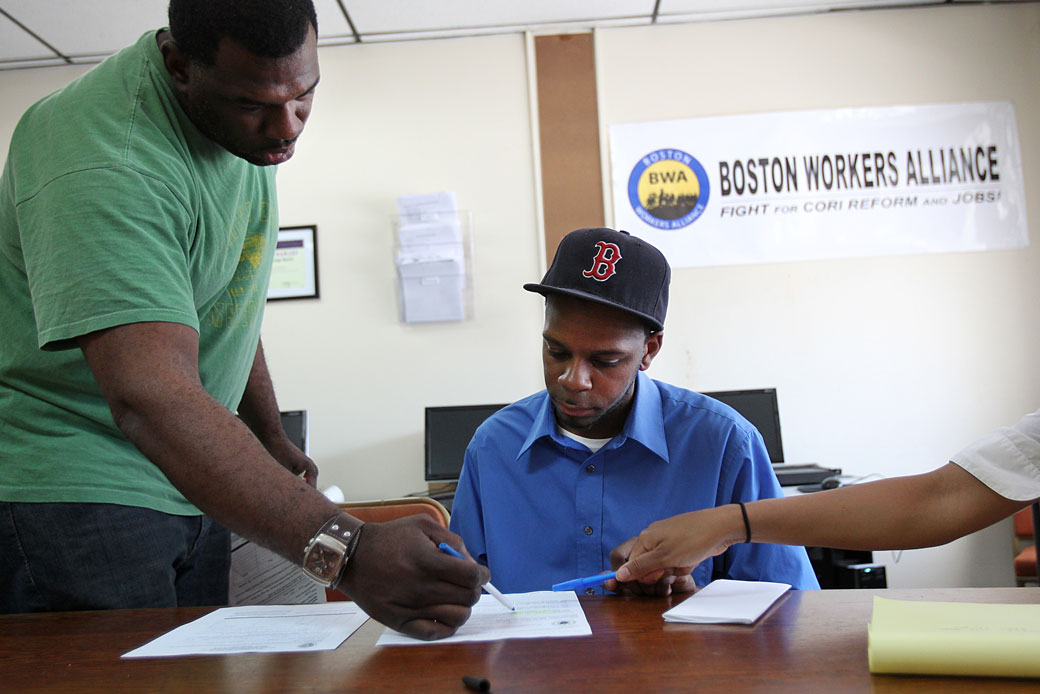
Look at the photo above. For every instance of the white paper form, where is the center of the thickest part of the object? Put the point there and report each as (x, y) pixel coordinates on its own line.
(727, 602)
(427, 207)
(258, 576)
(415, 252)
(259, 629)
(432, 290)
(438, 237)
(540, 614)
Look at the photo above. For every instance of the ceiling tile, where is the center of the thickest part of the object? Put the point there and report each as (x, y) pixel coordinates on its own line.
(110, 25)
(16, 44)
(538, 29)
(88, 31)
(760, 7)
(406, 16)
(331, 21)
(85, 28)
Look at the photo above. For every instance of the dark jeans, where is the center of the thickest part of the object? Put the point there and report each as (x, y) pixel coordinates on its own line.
(58, 556)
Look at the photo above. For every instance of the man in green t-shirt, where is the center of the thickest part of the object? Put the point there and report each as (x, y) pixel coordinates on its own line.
(138, 220)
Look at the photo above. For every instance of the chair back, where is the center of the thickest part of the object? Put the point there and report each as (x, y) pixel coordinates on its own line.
(1023, 521)
(1027, 538)
(385, 510)
(392, 509)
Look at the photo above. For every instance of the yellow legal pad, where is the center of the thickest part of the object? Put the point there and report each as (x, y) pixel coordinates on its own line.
(954, 638)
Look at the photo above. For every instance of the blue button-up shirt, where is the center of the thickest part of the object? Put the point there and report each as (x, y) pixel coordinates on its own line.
(539, 508)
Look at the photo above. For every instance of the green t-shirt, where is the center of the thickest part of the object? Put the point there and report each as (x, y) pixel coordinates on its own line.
(115, 209)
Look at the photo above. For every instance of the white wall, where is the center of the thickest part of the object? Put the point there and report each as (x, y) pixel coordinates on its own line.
(882, 365)
(395, 119)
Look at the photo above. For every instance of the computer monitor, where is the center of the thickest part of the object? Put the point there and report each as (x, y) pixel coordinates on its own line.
(758, 407)
(448, 431)
(295, 424)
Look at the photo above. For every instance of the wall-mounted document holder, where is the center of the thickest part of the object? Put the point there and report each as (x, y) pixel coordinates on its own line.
(434, 259)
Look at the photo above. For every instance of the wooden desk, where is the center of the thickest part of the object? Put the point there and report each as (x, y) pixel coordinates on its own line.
(809, 642)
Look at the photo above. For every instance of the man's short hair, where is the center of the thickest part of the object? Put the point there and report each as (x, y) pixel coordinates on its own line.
(266, 28)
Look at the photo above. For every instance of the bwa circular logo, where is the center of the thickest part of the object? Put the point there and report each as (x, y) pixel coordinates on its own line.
(668, 189)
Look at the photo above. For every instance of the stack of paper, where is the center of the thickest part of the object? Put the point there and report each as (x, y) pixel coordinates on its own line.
(431, 262)
(954, 638)
(727, 602)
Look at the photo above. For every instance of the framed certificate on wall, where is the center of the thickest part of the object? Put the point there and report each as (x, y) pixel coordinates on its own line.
(294, 274)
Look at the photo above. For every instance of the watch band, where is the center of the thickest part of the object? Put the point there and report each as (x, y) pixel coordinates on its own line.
(352, 544)
(331, 548)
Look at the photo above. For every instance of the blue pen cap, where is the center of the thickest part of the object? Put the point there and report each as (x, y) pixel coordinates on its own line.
(586, 582)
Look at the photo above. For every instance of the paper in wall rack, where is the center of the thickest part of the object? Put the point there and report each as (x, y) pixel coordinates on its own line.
(433, 256)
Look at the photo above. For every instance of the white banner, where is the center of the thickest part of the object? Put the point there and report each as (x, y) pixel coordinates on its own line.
(837, 183)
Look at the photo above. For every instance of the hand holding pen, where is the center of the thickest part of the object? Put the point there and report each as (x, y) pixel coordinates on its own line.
(661, 583)
(400, 578)
(492, 591)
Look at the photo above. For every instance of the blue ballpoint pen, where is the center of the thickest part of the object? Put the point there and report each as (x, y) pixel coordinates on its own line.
(492, 591)
(586, 582)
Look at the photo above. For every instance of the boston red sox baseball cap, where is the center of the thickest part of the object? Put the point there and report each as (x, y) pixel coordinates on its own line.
(613, 268)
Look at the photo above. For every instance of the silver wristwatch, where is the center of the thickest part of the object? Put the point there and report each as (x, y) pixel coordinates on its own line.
(330, 549)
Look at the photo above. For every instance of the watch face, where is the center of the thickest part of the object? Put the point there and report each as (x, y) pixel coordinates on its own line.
(324, 558)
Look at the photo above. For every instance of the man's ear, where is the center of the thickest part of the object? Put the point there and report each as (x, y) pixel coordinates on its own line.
(176, 63)
(650, 349)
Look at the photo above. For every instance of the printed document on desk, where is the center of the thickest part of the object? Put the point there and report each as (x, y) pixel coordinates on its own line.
(259, 629)
(541, 614)
(727, 602)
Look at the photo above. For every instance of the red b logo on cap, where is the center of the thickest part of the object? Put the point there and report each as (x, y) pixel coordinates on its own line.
(604, 262)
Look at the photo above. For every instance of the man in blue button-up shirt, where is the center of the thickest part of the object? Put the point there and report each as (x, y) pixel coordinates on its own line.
(553, 483)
